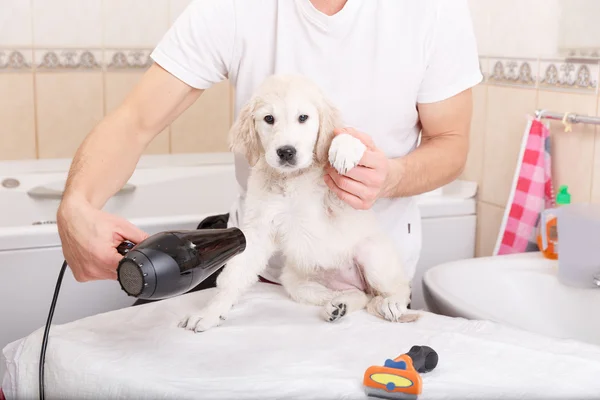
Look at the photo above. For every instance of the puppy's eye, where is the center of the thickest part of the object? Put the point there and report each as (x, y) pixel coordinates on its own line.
(302, 118)
(269, 119)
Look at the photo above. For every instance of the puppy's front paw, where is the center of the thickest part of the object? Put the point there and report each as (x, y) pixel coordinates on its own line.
(333, 311)
(202, 321)
(345, 152)
(391, 308)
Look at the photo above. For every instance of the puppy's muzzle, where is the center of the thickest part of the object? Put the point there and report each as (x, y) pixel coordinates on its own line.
(287, 155)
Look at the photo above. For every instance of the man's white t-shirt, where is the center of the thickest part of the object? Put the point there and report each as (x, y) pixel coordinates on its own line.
(375, 59)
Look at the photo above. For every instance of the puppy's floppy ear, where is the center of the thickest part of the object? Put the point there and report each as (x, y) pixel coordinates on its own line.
(329, 119)
(243, 137)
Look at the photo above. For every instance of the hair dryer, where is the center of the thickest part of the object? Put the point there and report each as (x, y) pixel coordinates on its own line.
(170, 263)
(164, 265)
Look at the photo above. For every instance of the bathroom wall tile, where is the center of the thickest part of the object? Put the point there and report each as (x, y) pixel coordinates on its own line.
(134, 23)
(204, 126)
(474, 167)
(595, 192)
(118, 85)
(68, 60)
(524, 28)
(506, 119)
(17, 130)
(484, 63)
(16, 60)
(69, 106)
(176, 8)
(67, 23)
(127, 59)
(546, 14)
(489, 219)
(568, 76)
(15, 23)
(579, 31)
(572, 152)
(232, 104)
(480, 16)
(512, 72)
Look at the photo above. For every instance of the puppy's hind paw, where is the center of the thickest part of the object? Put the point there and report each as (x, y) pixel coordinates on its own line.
(200, 322)
(345, 152)
(391, 309)
(334, 311)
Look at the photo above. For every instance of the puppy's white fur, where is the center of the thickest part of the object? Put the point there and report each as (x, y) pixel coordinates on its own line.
(289, 208)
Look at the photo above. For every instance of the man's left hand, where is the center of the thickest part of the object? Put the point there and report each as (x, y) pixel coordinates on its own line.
(365, 183)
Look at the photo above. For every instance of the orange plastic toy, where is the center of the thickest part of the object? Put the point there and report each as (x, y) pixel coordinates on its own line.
(399, 378)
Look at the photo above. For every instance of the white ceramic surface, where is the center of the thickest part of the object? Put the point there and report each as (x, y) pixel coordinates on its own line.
(520, 290)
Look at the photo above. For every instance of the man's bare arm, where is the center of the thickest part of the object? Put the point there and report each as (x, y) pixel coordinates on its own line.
(109, 154)
(442, 154)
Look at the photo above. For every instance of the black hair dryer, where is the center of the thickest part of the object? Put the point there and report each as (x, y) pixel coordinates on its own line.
(171, 263)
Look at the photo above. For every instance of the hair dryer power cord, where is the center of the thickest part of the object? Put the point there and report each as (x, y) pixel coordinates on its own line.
(47, 329)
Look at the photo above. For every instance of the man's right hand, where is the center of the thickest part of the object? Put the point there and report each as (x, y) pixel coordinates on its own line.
(103, 164)
(90, 237)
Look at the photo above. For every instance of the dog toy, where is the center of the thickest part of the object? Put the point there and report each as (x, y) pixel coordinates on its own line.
(400, 378)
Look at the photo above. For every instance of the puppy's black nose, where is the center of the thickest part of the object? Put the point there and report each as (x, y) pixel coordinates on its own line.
(286, 153)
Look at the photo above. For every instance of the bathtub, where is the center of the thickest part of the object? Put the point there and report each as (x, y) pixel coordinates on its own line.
(193, 185)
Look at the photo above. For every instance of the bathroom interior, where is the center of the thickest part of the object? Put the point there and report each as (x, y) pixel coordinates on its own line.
(66, 64)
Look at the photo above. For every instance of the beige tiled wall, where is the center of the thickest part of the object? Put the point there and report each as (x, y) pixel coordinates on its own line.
(65, 64)
(502, 104)
(48, 114)
(17, 112)
(203, 127)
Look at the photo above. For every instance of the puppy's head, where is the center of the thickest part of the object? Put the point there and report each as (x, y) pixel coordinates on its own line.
(288, 122)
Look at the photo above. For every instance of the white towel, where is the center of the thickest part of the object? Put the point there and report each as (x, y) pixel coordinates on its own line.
(273, 348)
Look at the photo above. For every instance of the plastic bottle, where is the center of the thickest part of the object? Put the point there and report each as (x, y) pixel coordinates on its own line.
(562, 198)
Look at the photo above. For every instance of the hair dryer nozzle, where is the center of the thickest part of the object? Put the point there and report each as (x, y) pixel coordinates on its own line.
(171, 263)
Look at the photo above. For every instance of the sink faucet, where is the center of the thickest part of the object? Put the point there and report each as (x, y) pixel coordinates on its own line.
(597, 279)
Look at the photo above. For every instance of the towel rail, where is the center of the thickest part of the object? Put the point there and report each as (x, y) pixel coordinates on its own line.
(570, 117)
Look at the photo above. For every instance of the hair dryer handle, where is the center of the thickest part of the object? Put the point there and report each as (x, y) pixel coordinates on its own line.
(124, 247)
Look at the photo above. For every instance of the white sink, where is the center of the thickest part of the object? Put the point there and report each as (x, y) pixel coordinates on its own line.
(519, 290)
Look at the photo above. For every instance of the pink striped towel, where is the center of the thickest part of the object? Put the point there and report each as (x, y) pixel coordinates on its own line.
(532, 191)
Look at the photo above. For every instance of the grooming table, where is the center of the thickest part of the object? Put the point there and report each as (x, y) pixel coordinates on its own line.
(273, 348)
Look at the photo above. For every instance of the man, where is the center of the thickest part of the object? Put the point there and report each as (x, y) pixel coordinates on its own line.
(394, 68)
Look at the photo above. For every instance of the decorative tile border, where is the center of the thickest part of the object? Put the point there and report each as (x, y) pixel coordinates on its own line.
(512, 72)
(26, 60)
(16, 60)
(558, 74)
(127, 59)
(591, 53)
(69, 59)
(547, 74)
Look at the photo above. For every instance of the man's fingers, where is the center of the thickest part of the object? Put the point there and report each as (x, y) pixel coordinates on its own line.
(80, 276)
(116, 257)
(363, 137)
(346, 197)
(131, 232)
(370, 159)
(103, 274)
(349, 185)
(112, 275)
(362, 174)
